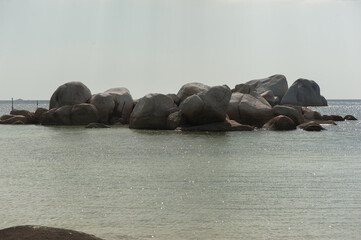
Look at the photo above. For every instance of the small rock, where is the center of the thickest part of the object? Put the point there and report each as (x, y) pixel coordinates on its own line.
(311, 126)
(337, 118)
(350, 117)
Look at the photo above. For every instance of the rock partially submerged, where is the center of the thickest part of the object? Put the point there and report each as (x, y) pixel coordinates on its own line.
(43, 233)
(311, 126)
(280, 123)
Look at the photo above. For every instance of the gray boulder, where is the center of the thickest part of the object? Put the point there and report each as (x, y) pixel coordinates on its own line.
(304, 92)
(276, 83)
(104, 103)
(249, 109)
(39, 114)
(190, 89)
(69, 94)
(83, 114)
(30, 116)
(244, 88)
(280, 123)
(206, 107)
(152, 111)
(291, 112)
(350, 118)
(62, 115)
(123, 101)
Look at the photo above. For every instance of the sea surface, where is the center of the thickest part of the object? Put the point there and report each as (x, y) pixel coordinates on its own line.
(129, 184)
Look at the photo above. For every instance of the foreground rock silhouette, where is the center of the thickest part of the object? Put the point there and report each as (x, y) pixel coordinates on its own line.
(43, 233)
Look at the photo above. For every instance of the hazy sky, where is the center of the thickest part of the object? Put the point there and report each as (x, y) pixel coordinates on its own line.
(158, 45)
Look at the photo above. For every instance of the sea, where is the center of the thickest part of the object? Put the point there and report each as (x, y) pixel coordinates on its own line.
(120, 183)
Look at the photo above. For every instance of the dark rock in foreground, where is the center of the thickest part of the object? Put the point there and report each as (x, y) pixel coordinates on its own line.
(304, 92)
(227, 125)
(43, 233)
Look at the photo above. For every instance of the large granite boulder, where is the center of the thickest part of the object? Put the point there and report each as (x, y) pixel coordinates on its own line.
(83, 114)
(43, 233)
(280, 123)
(190, 89)
(152, 111)
(70, 93)
(105, 104)
(304, 92)
(206, 107)
(292, 112)
(62, 115)
(310, 114)
(39, 115)
(276, 83)
(123, 101)
(249, 109)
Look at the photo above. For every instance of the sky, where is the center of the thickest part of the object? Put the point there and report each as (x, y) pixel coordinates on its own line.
(156, 46)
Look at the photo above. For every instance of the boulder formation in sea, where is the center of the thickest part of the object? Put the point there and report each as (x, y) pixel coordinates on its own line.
(304, 92)
(262, 103)
(30, 232)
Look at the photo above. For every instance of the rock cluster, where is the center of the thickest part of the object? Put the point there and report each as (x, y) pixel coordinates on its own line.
(263, 103)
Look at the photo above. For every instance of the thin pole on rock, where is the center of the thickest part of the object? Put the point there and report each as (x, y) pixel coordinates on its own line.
(12, 104)
(37, 104)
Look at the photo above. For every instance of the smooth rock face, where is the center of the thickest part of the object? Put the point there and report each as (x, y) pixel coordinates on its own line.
(276, 83)
(304, 92)
(207, 107)
(280, 123)
(123, 101)
(152, 111)
(70, 93)
(63, 115)
(249, 109)
(244, 88)
(83, 114)
(190, 89)
(104, 103)
(290, 112)
(43, 233)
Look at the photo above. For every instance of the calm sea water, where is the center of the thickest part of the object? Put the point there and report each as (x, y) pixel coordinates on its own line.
(127, 184)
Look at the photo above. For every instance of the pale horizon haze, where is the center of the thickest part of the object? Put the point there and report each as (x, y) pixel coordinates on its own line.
(156, 46)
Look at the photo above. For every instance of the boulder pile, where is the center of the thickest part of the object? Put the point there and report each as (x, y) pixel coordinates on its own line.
(263, 103)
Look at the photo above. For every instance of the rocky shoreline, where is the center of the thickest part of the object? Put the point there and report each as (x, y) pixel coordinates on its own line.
(263, 103)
